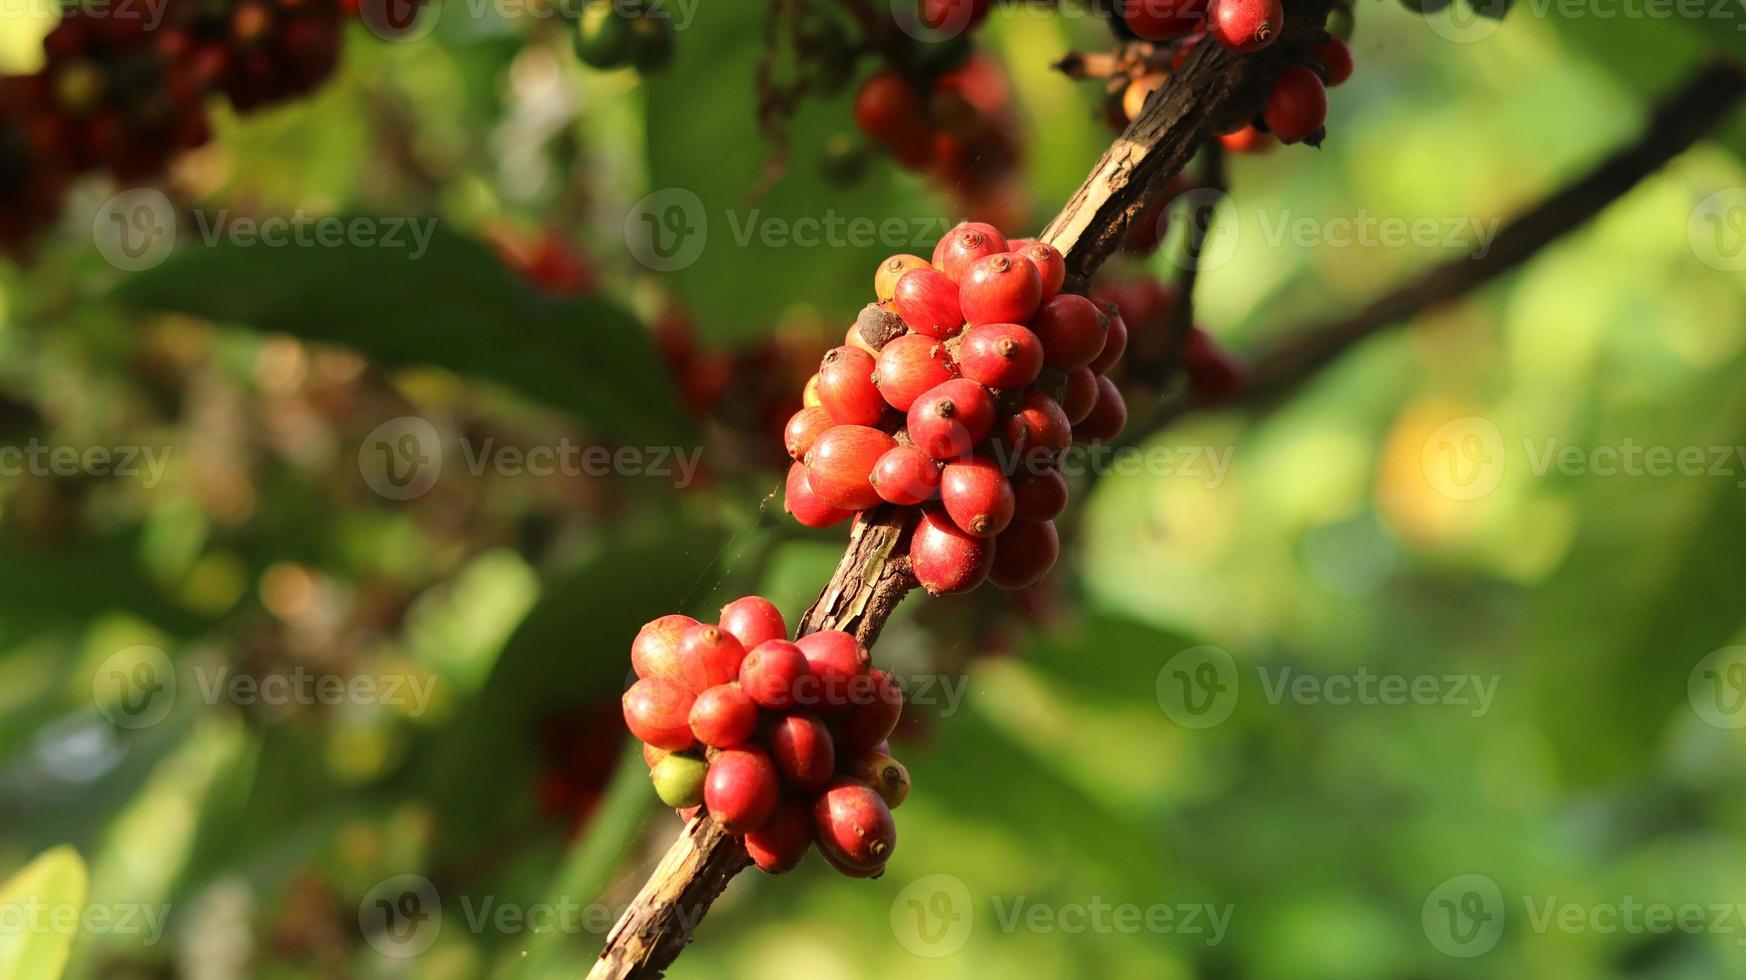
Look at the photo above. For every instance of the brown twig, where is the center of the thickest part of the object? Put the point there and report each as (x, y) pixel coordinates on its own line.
(872, 579)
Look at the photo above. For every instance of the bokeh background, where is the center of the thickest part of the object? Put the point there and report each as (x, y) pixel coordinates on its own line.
(1576, 751)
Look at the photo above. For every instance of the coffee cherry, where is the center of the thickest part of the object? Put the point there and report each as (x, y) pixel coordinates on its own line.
(891, 270)
(956, 16)
(969, 242)
(1047, 433)
(652, 756)
(875, 713)
(852, 825)
(1050, 263)
(1298, 105)
(909, 366)
(603, 36)
(1336, 59)
(809, 394)
(833, 659)
(846, 388)
(1080, 396)
(804, 752)
(944, 559)
(1213, 376)
(951, 419)
(1161, 20)
(1000, 289)
(852, 338)
(1246, 140)
(1340, 23)
(708, 655)
(753, 620)
(1000, 355)
(805, 505)
(1108, 417)
(928, 302)
(1115, 341)
(906, 476)
(886, 775)
(841, 461)
(781, 843)
(845, 870)
(977, 496)
(679, 780)
(1023, 554)
(741, 789)
(887, 106)
(1073, 331)
(655, 651)
(1138, 91)
(723, 717)
(1039, 496)
(804, 428)
(770, 673)
(657, 711)
(1245, 25)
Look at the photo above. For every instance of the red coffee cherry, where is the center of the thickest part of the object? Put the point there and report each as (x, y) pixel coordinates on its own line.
(1040, 496)
(1108, 417)
(888, 777)
(781, 843)
(1047, 433)
(723, 717)
(977, 496)
(1023, 554)
(1073, 331)
(1336, 59)
(1115, 342)
(805, 505)
(708, 655)
(1081, 395)
(770, 673)
(891, 270)
(944, 559)
(887, 106)
(1213, 376)
(1000, 355)
(846, 388)
(841, 461)
(1001, 288)
(833, 659)
(1298, 105)
(853, 826)
(909, 366)
(964, 245)
(1161, 20)
(928, 302)
(741, 789)
(655, 651)
(804, 752)
(1246, 140)
(951, 419)
(753, 620)
(804, 428)
(1245, 25)
(658, 712)
(1051, 265)
(954, 15)
(874, 715)
(906, 476)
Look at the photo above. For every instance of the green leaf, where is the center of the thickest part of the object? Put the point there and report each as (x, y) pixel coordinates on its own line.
(454, 305)
(54, 881)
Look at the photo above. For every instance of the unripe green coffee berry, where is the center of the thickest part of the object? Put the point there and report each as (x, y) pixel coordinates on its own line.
(678, 780)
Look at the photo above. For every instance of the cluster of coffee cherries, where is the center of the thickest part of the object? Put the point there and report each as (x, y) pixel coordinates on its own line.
(616, 33)
(783, 743)
(959, 391)
(1297, 107)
